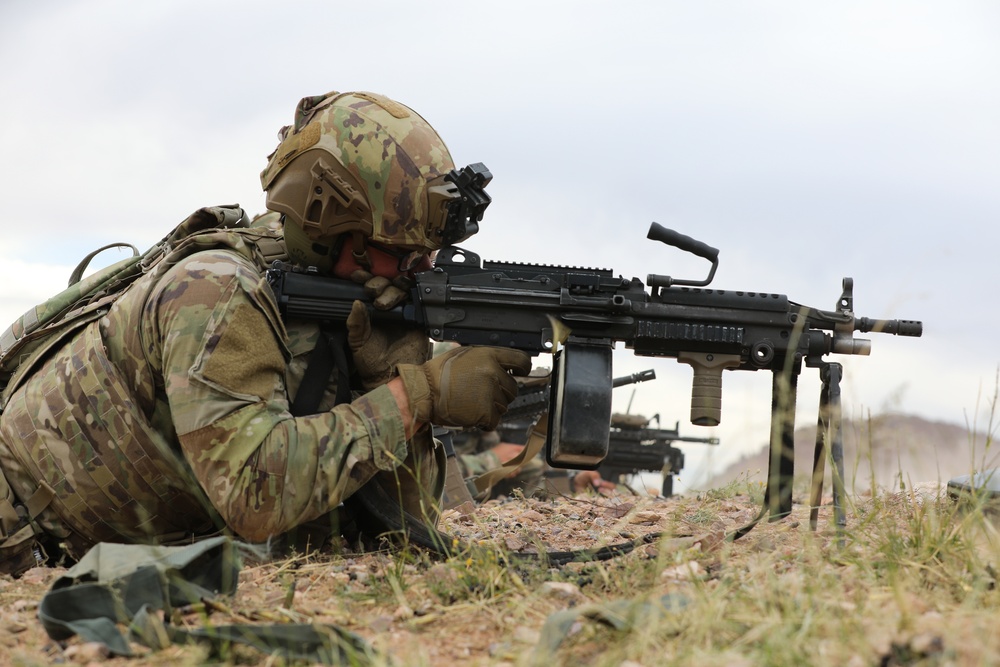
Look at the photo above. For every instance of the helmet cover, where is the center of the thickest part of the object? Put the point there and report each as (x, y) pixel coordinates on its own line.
(364, 164)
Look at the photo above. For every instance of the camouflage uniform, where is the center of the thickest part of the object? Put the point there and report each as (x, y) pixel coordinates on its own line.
(168, 418)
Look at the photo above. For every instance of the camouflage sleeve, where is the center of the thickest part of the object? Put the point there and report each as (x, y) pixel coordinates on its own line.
(478, 463)
(224, 355)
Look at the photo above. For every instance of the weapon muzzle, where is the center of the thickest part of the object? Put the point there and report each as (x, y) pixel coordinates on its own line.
(641, 376)
(913, 328)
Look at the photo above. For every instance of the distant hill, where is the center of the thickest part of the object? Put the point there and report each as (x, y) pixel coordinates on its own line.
(892, 446)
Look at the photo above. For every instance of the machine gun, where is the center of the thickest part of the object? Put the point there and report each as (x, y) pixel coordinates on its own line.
(635, 447)
(475, 302)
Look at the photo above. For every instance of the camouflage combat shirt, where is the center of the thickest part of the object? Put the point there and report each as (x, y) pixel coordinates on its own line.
(169, 418)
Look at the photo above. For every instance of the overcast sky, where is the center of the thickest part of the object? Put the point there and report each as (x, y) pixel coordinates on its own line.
(807, 141)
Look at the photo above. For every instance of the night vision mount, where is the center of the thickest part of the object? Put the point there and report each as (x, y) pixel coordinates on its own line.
(465, 211)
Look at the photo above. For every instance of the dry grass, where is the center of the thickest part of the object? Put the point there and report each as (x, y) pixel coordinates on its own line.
(911, 582)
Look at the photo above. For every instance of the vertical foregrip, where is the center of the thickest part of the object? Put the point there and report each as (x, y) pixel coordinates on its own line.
(706, 387)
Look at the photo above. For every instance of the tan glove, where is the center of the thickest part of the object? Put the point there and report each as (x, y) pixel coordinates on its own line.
(385, 294)
(465, 387)
(378, 352)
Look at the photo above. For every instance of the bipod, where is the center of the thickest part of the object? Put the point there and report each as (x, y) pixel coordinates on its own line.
(829, 442)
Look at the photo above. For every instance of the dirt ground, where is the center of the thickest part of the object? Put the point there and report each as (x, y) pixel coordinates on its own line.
(417, 608)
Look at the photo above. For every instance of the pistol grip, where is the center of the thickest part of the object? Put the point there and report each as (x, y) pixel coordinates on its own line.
(706, 387)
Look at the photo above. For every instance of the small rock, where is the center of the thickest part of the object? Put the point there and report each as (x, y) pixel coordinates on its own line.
(927, 644)
(644, 517)
(677, 544)
(515, 543)
(618, 511)
(498, 649)
(341, 578)
(12, 624)
(526, 635)
(380, 623)
(88, 652)
(532, 515)
(682, 572)
(466, 510)
(562, 590)
(880, 640)
(712, 541)
(24, 605)
(932, 617)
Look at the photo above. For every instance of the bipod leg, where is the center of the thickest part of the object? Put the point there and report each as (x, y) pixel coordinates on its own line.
(822, 449)
(831, 375)
(819, 457)
(781, 465)
(829, 442)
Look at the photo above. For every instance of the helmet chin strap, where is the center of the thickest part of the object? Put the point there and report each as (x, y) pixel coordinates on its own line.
(360, 251)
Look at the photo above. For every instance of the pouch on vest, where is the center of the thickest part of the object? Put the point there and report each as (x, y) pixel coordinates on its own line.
(19, 550)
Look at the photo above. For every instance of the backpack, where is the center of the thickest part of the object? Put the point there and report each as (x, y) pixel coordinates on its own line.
(42, 328)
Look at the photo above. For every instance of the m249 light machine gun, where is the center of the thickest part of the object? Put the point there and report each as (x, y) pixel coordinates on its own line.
(635, 447)
(475, 302)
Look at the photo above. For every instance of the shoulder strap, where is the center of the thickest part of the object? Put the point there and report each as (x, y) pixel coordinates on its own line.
(537, 436)
(327, 356)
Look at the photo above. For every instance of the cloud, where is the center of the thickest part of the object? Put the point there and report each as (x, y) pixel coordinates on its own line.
(807, 142)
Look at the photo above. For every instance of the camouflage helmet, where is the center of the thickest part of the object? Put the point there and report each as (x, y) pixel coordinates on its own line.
(361, 164)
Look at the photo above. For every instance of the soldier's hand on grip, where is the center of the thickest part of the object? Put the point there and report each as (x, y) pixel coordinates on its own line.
(385, 294)
(465, 387)
(378, 352)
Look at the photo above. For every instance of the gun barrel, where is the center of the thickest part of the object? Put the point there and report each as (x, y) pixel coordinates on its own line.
(641, 376)
(913, 328)
(707, 441)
